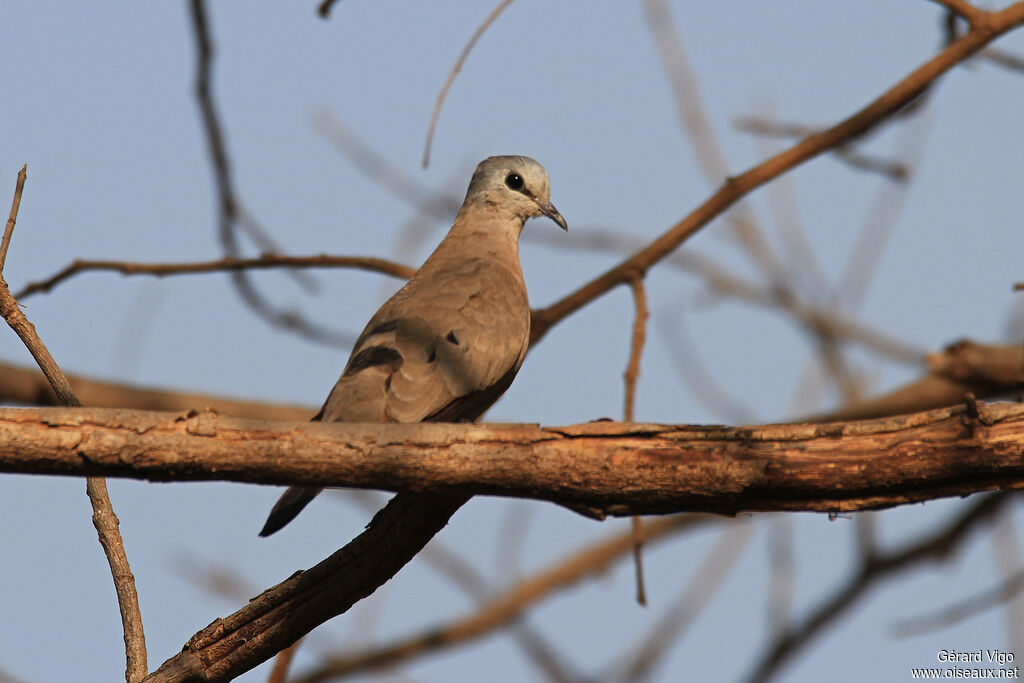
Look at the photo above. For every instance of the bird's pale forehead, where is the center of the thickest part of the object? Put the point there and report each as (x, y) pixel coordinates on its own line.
(499, 166)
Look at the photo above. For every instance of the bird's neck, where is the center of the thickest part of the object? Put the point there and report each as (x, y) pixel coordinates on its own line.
(487, 230)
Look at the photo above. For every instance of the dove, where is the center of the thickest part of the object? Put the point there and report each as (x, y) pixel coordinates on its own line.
(449, 343)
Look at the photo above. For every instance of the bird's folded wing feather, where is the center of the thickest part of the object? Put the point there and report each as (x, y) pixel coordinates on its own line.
(443, 348)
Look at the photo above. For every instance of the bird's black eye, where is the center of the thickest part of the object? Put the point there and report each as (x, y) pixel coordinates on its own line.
(514, 181)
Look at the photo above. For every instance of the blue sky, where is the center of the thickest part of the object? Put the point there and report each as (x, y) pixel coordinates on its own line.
(99, 105)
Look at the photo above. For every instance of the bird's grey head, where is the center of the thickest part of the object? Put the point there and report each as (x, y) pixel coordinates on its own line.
(518, 183)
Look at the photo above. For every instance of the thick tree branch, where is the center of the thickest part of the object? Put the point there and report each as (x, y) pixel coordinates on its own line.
(602, 467)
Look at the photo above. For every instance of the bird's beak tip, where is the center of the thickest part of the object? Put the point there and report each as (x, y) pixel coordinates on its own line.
(551, 212)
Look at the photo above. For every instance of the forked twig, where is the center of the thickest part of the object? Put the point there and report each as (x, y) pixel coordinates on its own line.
(103, 517)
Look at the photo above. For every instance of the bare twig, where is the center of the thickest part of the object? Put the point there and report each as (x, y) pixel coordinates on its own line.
(495, 13)
(893, 170)
(1006, 549)
(226, 264)
(324, 8)
(802, 264)
(880, 222)
(631, 375)
(655, 644)
(8, 678)
(103, 517)
(1004, 59)
(782, 568)
(636, 347)
(961, 610)
(963, 8)
(12, 218)
(282, 662)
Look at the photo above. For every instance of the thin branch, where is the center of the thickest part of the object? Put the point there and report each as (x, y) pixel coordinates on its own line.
(103, 517)
(1006, 548)
(670, 627)
(1004, 59)
(8, 678)
(737, 187)
(324, 9)
(505, 608)
(631, 375)
(495, 13)
(802, 264)
(961, 610)
(19, 187)
(965, 9)
(893, 170)
(782, 569)
(636, 347)
(880, 222)
(282, 662)
(226, 264)
(936, 546)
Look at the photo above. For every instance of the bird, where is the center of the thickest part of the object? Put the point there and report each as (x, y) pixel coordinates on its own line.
(449, 343)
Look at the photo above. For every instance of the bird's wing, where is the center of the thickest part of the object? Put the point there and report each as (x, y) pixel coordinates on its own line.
(444, 348)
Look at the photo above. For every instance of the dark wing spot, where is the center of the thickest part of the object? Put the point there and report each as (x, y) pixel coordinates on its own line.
(375, 355)
(452, 338)
(387, 326)
(433, 355)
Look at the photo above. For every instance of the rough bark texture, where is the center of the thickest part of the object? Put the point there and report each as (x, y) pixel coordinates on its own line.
(281, 615)
(598, 468)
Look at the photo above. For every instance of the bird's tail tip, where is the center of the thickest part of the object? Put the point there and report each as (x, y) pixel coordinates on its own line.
(288, 506)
